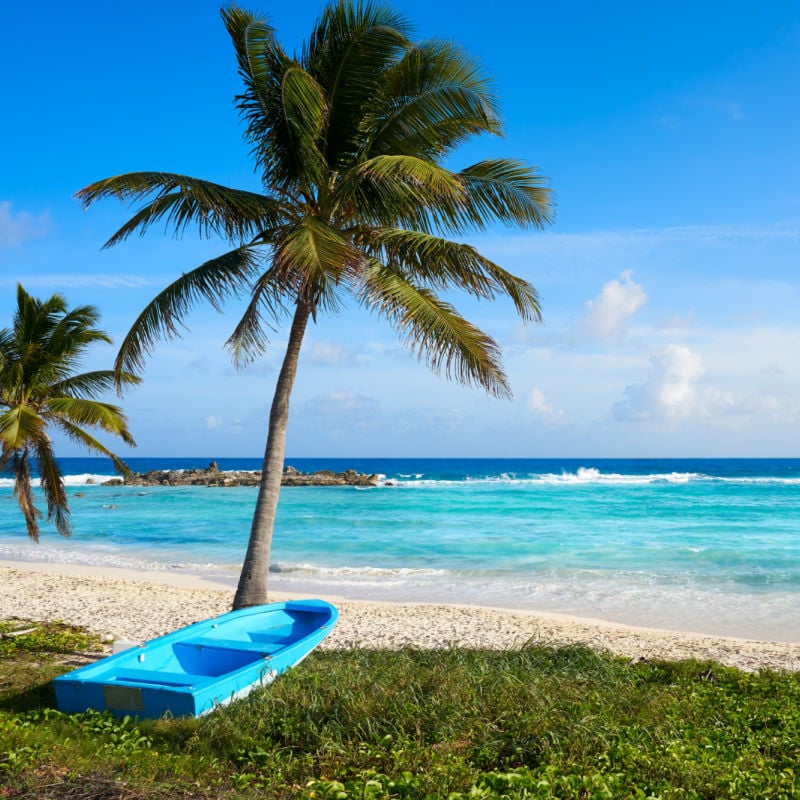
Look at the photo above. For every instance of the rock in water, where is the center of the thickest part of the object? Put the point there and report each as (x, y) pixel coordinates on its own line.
(211, 476)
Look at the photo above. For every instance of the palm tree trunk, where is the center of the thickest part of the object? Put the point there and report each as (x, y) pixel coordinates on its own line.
(252, 588)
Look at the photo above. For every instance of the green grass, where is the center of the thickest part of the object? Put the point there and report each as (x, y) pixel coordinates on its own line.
(19, 637)
(454, 724)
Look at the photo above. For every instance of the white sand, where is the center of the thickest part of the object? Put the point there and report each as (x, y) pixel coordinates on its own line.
(123, 604)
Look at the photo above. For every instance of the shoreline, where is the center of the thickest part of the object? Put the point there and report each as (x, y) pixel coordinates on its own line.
(127, 604)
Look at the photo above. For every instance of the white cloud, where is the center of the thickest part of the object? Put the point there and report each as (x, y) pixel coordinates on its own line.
(773, 369)
(677, 321)
(778, 408)
(617, 302)
(543, 411)
(212, 422)
(345, 406)
(328, 354)
(82, 280)
(671, 390)
(424, 426)
(18, 228)
(580, 249)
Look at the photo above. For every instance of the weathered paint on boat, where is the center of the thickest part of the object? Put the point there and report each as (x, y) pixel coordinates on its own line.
(193, 670)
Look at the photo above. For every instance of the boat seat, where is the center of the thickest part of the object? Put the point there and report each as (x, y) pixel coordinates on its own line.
(160, 677)
(265, 648)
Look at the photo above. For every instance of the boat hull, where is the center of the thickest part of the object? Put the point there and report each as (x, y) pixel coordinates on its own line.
(196, 669)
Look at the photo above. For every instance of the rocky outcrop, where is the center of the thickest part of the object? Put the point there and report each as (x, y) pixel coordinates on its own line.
(211, 476)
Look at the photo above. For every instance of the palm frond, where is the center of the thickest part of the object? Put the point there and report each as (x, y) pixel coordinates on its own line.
(427, 179)
(522, 293)
(80, 436)
(397, 191)
(80, 411)
(52, 485)
(278, 142)
(213, 281)
(23, 491)
(34, 318)
(507, 191)
(318, 257)
(433, 99)
(78, 323)
(93, 384)
(62, 349)
(304, 108)
(435, 331)
(246, 31)
(444, 264)
(351, 46)
(180, 200)
(7, 353)
(27, 354)
(257, 53)
(19, 425)
(248, 340)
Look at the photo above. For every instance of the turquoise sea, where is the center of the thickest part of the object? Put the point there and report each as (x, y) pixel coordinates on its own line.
(704, 545)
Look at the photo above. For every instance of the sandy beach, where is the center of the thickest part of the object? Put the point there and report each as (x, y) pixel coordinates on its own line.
(123, 604)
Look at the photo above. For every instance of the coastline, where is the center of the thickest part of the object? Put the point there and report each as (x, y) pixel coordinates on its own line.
(127, 604)
(688, 545)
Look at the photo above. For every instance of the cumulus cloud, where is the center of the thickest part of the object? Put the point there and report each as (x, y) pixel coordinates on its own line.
(671, 391)
(543, 411)
(617, 302)
(18, 228)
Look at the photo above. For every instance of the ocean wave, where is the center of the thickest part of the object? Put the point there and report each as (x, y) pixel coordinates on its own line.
(593, 475)
(366, 572)
(762, 480)
(109, 556)
(584, 475)
(84, 479)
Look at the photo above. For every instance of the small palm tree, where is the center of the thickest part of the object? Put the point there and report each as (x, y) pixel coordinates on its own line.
(39, 388)
(350, 140)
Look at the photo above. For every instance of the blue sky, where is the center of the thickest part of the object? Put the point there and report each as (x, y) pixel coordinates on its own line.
(669, 281)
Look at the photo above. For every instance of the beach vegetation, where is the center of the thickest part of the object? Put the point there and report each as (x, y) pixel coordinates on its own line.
(456, 724)
(353, 140)
(41, 389)
(18, 637)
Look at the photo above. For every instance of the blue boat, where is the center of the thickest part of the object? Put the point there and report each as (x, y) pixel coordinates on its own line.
(192, 671)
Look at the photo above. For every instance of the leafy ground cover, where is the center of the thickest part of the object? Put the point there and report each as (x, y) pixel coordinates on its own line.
(454, 724)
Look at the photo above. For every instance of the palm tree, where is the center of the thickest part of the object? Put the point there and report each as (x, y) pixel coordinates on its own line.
(39, 388)
(349, 139)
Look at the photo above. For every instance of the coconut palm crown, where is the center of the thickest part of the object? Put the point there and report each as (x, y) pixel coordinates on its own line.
(351, 139)
(40, 389)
